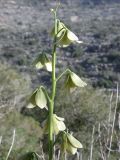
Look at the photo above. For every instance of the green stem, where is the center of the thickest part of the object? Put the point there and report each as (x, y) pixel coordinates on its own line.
(67, 70)
(51, 107)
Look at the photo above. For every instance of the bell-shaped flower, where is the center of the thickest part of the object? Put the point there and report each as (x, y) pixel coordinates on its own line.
(69, 143)
(64, 36)
(57, 124)
(38, 98)
(43, 61)
(73, 81)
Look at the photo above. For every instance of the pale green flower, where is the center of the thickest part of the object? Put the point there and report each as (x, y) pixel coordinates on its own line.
(43, 61)
(64, 36)
(73, 81)
(38, 98)
(69, 143)
(57, 124)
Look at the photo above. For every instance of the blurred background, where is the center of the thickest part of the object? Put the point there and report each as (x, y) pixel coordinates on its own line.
(25, 27)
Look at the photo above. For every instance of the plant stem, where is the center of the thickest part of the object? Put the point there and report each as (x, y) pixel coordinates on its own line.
(67, 70)
(51, 107)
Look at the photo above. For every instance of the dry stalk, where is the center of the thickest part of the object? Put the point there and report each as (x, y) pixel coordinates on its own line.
(92, 142)
(113, 123)
(13, 140)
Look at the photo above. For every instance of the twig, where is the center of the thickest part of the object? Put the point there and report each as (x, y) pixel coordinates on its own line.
(111, 150)
(38, 155)
(54, 147)
(0, 140)
(111, 97)
(65, 156)
(81, 155)
(101, 147)
(78, 155)
(42, 156)
(92, 142)
(13, 140)
(113, 124)
(58, 157)
(109, 117)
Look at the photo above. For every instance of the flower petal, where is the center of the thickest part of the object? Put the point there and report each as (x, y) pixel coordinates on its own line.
(38, 65)
(30, 105)
(32, 102)
(77, 80)
(74, 142)
(48, 66)
(64, 41)
(58, 125)
(40, 99)
(59, 118)
(70, 148)
(71, 36)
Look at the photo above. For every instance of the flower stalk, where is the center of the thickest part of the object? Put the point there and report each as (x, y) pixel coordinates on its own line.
(51, 107)
(54, 125)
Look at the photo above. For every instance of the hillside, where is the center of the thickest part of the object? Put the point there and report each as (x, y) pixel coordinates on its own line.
(25, 27)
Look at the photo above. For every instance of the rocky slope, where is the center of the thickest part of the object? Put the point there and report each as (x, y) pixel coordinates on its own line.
(24, 31)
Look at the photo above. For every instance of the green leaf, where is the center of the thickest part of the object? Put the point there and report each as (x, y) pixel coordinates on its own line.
(40, 99)
(73, 141)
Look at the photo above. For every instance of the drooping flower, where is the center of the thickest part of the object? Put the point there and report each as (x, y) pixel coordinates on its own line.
(73, 81)
(57, 124)
(69, 143)
(38, 98)
(43, 61)
(64, 36)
